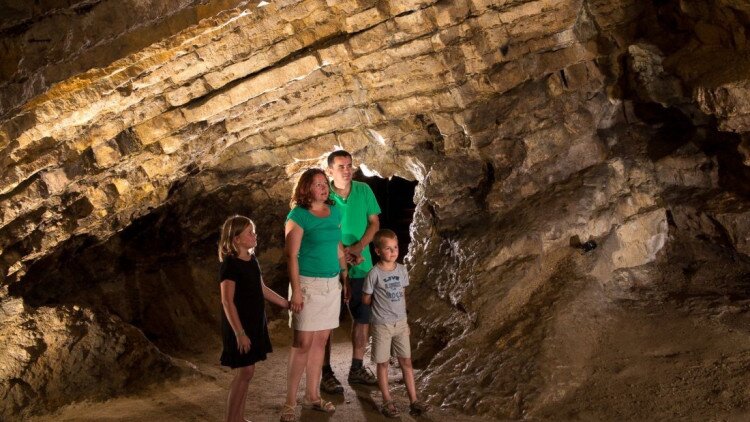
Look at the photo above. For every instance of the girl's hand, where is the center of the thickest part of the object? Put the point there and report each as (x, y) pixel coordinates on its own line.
(285, 304)
(297, 302)
(243, 343)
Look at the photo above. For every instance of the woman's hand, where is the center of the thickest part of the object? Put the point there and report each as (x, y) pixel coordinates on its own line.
(243, 343)
(347, 292)
(297, 302)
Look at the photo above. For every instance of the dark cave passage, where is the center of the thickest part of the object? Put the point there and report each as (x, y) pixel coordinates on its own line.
(396, 199)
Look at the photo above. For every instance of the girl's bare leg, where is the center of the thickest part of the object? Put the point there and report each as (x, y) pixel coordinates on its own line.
(383, 381)
(315, 365)
(408, 370)
(238, 393)
(298, 357)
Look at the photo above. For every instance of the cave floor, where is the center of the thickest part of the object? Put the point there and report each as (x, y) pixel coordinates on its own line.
(202, 397)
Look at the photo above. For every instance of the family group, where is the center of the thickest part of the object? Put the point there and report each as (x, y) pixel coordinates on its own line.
(327, 237)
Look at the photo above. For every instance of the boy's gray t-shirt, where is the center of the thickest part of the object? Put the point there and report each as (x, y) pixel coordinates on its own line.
(387, 290)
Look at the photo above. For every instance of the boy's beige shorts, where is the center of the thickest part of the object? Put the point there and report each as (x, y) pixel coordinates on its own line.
(385, 336)
(322, 304)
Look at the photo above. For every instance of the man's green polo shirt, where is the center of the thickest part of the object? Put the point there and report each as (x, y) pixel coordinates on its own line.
(355, 209)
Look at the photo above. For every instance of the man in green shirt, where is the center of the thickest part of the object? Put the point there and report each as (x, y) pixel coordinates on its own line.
(359, 210)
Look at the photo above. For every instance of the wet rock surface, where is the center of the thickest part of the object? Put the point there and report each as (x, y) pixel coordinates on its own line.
(532, 128)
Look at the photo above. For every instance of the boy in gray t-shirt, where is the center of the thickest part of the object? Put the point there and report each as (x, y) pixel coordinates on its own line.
(384, 290)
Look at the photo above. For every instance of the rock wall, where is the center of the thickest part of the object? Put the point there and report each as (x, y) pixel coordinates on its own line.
(532, 128)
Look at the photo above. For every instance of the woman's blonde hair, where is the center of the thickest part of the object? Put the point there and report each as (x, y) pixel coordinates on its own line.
(232, 227)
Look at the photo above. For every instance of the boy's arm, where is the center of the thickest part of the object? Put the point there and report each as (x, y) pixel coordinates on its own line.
(368, 286)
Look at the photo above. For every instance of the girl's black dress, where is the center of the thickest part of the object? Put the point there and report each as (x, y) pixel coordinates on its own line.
(248, 299)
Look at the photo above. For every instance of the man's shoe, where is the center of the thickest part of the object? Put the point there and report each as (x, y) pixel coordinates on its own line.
(362, 375)
(329, 384)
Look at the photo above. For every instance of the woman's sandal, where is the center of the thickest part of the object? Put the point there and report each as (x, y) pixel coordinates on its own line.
(389, 409)
(288, 414)
(320, 405)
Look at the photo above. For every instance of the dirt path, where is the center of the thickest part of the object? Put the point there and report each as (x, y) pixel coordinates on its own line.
(202, 398)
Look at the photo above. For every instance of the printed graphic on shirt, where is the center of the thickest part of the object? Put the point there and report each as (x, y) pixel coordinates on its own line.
(393, 288)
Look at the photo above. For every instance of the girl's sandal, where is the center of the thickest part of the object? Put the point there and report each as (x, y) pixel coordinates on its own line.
(320, 405)
(288, 414)
(389, 409)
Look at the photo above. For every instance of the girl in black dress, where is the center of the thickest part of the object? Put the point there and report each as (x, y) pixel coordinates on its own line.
(243, 322)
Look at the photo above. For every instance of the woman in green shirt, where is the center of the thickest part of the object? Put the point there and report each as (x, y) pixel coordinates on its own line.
(316, 261)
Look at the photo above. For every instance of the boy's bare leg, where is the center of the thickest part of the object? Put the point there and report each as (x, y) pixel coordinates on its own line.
(383, 381)
(408, 370)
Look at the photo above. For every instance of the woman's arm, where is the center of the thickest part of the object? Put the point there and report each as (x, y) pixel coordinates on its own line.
(273, 297)
(344, 274)
(293, 241)
(227, 301)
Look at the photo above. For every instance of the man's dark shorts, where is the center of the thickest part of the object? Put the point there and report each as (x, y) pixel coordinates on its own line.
(360, 312)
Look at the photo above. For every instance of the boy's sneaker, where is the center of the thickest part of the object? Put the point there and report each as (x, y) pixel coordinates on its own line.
(419, 407)
(330, 384)
(362, 375)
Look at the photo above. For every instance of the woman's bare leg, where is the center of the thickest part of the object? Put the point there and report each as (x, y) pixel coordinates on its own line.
(315, 365)
(298, 357)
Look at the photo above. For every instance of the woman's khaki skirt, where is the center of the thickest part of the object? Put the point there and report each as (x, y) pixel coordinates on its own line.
(322, 304)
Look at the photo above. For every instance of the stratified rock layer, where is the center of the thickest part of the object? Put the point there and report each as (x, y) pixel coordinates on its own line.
(582, 225)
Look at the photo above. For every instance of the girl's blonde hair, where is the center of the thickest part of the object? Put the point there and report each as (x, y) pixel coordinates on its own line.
(232, 227)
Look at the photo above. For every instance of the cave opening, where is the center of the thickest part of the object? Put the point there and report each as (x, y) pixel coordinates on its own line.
(395, 196)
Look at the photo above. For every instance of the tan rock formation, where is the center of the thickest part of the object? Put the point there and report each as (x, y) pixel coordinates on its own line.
(54, 356)
(531, 127)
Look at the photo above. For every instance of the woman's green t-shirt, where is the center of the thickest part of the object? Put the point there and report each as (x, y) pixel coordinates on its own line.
(318, 253)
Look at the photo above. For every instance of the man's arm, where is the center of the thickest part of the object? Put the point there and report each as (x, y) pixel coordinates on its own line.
(373, 225)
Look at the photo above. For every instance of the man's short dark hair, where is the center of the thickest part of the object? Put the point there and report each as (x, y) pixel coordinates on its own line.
(340, 153)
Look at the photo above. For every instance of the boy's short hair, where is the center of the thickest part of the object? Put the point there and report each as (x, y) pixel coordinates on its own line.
(339, 153)
(383, 234)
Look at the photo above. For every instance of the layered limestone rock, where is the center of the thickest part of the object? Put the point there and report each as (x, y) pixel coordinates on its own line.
(537, 131)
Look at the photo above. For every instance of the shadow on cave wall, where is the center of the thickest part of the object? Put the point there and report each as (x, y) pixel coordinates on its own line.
(670, 127)
(159, 273)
